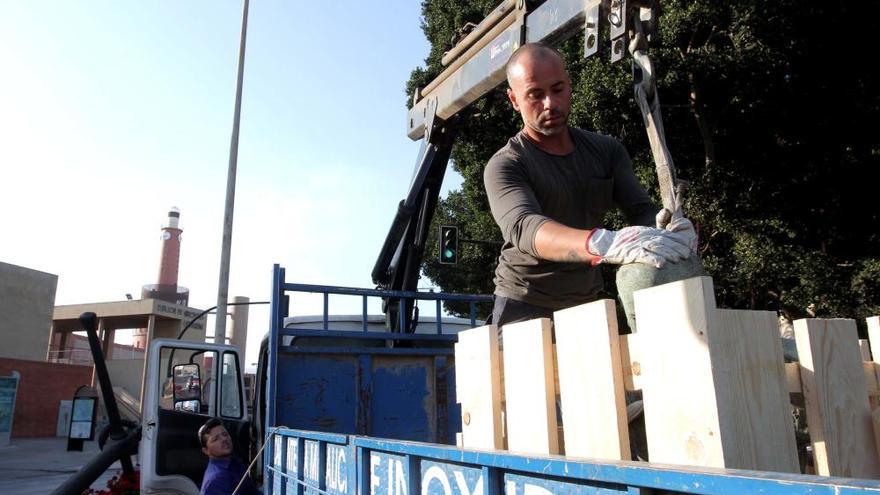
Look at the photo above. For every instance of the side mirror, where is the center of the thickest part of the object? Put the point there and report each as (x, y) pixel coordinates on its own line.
(187, 387)
(187, 406)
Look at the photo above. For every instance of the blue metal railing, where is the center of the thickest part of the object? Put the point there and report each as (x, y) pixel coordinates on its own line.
(343, 465)
(402, 296)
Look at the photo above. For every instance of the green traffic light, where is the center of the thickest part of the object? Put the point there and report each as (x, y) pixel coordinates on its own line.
(448, 248)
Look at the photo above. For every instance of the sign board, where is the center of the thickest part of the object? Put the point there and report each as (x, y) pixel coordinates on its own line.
(8, 391)
(82, 420)
(65, 408)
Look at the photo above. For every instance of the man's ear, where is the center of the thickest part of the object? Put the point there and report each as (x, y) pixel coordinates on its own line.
(512, 97)
(205, 451)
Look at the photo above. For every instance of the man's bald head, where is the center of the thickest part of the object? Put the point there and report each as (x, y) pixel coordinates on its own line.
(540, 90)
(532, 52)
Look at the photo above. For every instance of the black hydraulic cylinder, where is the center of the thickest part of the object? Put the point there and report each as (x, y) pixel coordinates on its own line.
(382, 270)
(83, 479)
(89, 322)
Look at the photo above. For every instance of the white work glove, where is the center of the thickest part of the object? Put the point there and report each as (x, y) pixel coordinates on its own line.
(682, 227)
(682, 230)
(638, 244)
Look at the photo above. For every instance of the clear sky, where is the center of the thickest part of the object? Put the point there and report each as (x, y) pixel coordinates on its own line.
(113, 111)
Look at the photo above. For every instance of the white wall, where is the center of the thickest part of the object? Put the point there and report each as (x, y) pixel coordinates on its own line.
(27, 300)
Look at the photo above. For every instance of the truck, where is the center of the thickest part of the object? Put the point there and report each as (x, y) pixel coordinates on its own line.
(369, 405)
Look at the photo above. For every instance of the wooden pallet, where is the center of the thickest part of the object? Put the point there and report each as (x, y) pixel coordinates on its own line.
(716, 389)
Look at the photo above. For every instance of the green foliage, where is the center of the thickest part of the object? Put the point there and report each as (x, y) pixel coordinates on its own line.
(774, 130)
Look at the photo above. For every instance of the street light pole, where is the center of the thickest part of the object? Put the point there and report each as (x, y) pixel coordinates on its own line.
(226, 248)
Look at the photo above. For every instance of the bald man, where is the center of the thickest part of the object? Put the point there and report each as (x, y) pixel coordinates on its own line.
(549, 189)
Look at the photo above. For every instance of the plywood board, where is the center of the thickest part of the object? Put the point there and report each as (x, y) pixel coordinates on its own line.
(528, 387)
(838, 416)
(478, 388)
(714, 382)
(591, 381)
(754, 410)
(681, 418)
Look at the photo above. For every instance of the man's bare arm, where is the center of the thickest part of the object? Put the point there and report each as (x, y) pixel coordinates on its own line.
(556, 242)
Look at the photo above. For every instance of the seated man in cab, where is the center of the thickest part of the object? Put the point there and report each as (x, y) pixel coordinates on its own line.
(225, 471)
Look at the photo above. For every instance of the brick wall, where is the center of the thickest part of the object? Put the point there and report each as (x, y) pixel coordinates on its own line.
(41, 389)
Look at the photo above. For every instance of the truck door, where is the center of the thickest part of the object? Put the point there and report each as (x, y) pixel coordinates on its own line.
(188, 383)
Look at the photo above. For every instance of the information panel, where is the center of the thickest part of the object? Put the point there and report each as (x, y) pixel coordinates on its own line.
(8, 390)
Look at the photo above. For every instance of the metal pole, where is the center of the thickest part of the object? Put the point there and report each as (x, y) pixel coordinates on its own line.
(89, 322)
(226, 250)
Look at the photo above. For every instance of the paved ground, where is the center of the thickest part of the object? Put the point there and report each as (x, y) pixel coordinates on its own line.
(31, 466)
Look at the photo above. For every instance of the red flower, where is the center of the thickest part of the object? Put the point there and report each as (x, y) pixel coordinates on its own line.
(121, 484)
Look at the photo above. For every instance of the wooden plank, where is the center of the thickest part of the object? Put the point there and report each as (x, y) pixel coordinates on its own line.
(756, 426)
(875, 421)
(874, 336)
(838, 416)
(793, 378)
(713, 381)
(872, 378)
(864, 349)
(681, 419)
(528, 387)
(478, 388)
(591, 381)
(630, 361)
(555, 373)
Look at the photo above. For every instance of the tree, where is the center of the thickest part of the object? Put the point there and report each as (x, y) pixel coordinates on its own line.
(774, 130)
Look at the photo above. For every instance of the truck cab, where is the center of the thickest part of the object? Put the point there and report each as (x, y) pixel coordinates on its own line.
(186, 384)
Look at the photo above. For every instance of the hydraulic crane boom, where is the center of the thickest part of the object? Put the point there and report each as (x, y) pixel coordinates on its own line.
(475, 66)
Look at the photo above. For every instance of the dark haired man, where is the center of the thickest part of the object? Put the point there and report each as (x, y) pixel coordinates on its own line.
(224, 471)
(549, 189)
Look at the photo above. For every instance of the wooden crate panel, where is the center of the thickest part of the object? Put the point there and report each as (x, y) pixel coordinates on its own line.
(528, 387)
(591, 382)
(681, 417)
(749, 371)
(833, 380)
(478, 388)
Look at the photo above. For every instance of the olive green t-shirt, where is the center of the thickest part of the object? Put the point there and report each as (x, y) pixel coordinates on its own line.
(527, 187)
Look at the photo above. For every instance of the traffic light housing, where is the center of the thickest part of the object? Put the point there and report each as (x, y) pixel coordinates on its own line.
(448, 244)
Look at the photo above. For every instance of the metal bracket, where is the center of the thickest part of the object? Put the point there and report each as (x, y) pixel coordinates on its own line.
(591, 28)
(617, 16)
(521, 11)
(430, 118)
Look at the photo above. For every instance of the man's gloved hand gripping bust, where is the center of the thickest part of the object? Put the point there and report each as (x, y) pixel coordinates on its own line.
(549, 189)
